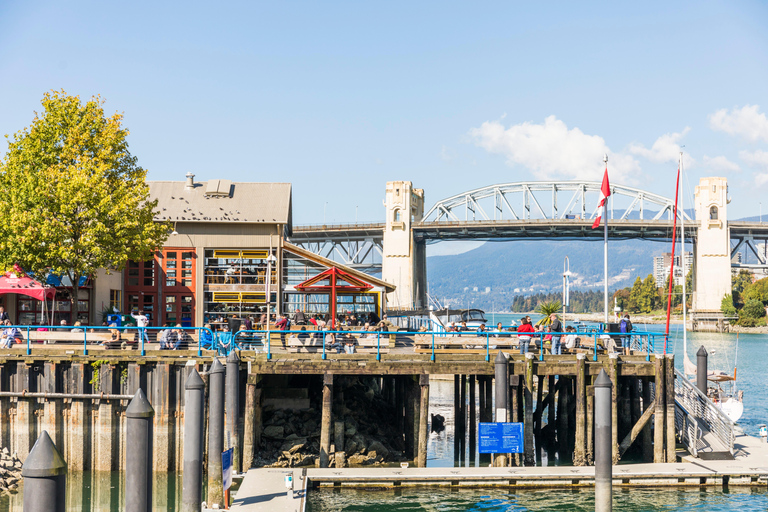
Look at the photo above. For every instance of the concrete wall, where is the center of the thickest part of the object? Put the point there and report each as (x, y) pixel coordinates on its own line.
(713, 253)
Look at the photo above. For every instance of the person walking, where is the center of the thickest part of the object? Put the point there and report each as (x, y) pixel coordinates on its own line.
(556, 328)
(282, 324)
(141, 322)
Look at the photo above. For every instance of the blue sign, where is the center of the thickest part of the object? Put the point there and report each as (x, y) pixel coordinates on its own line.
(226, 468)
(500, 438)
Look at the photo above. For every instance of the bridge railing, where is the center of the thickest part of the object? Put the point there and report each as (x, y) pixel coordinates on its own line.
(696, 409)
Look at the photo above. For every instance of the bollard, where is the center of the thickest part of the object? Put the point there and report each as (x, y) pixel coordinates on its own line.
(138, 460)
(45, 477)
(603, 443)
(233, 406)
(192, 485)
(215, 432)
(502, 388)
(701, 369)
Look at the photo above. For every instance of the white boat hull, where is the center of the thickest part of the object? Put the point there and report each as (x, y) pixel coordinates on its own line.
(732, 408)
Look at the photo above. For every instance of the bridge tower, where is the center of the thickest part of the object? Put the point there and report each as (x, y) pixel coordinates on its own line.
(404, 261)
(713, 247)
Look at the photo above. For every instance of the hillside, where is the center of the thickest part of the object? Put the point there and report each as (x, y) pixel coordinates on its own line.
(491, 275)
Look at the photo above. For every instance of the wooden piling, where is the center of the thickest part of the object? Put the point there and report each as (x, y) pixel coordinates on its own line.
(590, 423)
(325, 424)
(562, 416)
(659, 455)
(489, 399)
(580, 447)
(529, 459)
(252, 428)
(514, 409)
(339, 456)
(423, 426)
(463, 405)
(412, 398)
(647, 438)
(551, 403)
(456, 417)
(539, 412)
(669, 375)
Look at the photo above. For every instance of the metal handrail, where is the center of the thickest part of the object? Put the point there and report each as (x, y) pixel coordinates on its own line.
(701, 408)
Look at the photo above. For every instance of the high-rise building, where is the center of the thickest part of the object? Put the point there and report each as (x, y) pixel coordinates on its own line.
(661, 266)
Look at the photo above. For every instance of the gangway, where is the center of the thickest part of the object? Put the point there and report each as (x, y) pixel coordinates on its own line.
(704, 429)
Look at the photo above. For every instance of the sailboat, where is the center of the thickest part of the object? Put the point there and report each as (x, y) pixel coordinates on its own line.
(729, 401)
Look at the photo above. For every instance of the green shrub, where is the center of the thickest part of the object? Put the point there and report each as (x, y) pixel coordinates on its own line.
(753, 308)
(727, 307)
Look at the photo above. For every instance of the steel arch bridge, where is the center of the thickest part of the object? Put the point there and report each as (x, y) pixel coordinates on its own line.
(542, 200)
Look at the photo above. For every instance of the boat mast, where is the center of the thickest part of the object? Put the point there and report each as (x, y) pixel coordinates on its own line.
(672, 263)
(685, 276)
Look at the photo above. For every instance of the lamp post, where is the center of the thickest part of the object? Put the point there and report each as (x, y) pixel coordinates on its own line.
(270, 261)
(566, 285)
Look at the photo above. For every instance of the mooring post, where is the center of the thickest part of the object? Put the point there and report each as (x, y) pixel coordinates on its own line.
(249, 427)
(215, 432)
(45, 477)
(613, 360)
(580, 448)
(658, 411)
(647, 437)
(233, 406)
(501, 384)
(669, 376)
(423, 413)
(138, 457)
(463, 405)
(529, 459)
(192, 484)
(590, 420)
(701, 369)
(472, 419)
(514, 401)
(456, 417)
(325, 422)
(603, 443)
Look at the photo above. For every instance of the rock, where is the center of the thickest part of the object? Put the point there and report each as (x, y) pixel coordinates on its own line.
(295, 448)
(274, 432)
(357, 459)
(351, 431)
(379, 448)
(350, 447)
(292, 437)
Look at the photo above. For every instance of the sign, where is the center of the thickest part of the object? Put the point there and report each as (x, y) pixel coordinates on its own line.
(500, 438)
(226, 468)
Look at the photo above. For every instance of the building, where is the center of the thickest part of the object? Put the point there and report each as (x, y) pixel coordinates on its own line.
(661, 265)
(229, 254)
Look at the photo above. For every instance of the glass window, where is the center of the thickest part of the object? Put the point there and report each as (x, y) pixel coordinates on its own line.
(713, 213)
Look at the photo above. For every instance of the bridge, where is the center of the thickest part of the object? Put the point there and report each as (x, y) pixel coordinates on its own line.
(537, 211)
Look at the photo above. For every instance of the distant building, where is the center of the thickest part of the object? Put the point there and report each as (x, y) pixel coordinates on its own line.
(661, 266)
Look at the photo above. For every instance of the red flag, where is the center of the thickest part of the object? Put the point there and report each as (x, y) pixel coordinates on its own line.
(605, 192)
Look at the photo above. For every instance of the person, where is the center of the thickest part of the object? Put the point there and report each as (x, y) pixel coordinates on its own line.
(384, 324)
(76, 327)
(556, 328)
(63, 325)
(331, 343)
(300, 318)
(10, 335)
(115, 336)
(571, 341)
(167, 338)
(349, 347)
(206, 337)
(3, 315)
(141, 322)
(282, 325)
(499, 329)
(224, 340)
(181, 337)
(481, 329)
(625, 326)
(524, 340)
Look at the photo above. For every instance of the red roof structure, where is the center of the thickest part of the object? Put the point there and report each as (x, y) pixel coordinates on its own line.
(333, 275)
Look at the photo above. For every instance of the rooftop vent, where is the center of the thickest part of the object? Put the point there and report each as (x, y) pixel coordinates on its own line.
(190, 180)
(218, 188)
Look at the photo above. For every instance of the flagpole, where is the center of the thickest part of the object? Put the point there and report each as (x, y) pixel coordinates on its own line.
(605, 248)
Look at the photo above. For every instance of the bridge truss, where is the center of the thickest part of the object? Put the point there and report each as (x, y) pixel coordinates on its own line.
(543, 200)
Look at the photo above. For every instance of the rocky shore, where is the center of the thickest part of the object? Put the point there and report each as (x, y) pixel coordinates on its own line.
(291, 438)
(10, 471)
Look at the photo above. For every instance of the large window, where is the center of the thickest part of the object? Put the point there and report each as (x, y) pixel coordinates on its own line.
(319, 303)
(31, 311)
(238, 267)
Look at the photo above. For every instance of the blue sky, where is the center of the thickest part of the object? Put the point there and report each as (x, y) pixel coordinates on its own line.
(339, 98)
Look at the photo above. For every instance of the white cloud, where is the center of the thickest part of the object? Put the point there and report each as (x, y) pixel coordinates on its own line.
(757, 159)
(665, 149)
(552, 151)
(746, 122)
(720, 163)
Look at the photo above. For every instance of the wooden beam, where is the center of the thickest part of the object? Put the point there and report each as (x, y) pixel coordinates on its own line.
(636, 429)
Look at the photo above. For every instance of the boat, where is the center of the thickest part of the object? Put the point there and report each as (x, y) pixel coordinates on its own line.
(728, 398)
(434, 319)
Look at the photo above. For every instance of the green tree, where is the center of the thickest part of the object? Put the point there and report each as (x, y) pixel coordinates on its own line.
(648, 299)
(634, 302)
(727, 307)
(739, 283)
(74, 199)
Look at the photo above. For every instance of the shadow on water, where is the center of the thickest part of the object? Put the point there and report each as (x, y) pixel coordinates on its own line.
(100, 491)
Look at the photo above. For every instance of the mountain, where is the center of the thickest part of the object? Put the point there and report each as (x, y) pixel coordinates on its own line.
(491, 275)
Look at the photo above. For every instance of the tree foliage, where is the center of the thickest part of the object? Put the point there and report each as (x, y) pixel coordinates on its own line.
(546, 309)
(74, 199)
(727, 307)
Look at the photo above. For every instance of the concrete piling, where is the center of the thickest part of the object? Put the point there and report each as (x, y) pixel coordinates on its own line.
(603, 443)
(215, 432)
(423, 426)
(528, 456)
(669, 377)
(472, 420)
(192, 485)
(501, 368)
(325, 422)
(138, 463)
(659, 455)
(580, 448)
(701, 369)
(233, 406)
(45, 477)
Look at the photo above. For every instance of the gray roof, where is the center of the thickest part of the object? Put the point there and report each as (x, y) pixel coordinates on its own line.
(244, 203)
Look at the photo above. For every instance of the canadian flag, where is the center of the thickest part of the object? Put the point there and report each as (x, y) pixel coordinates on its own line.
(605, 192)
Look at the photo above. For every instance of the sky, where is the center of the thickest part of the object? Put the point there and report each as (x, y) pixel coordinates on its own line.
(340, 97)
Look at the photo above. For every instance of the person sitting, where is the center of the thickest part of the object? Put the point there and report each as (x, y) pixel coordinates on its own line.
(206, 337)
(571, 341)
(168, 338)
(332, 344)
(10, 335)
(76, 327)
(182, 340)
